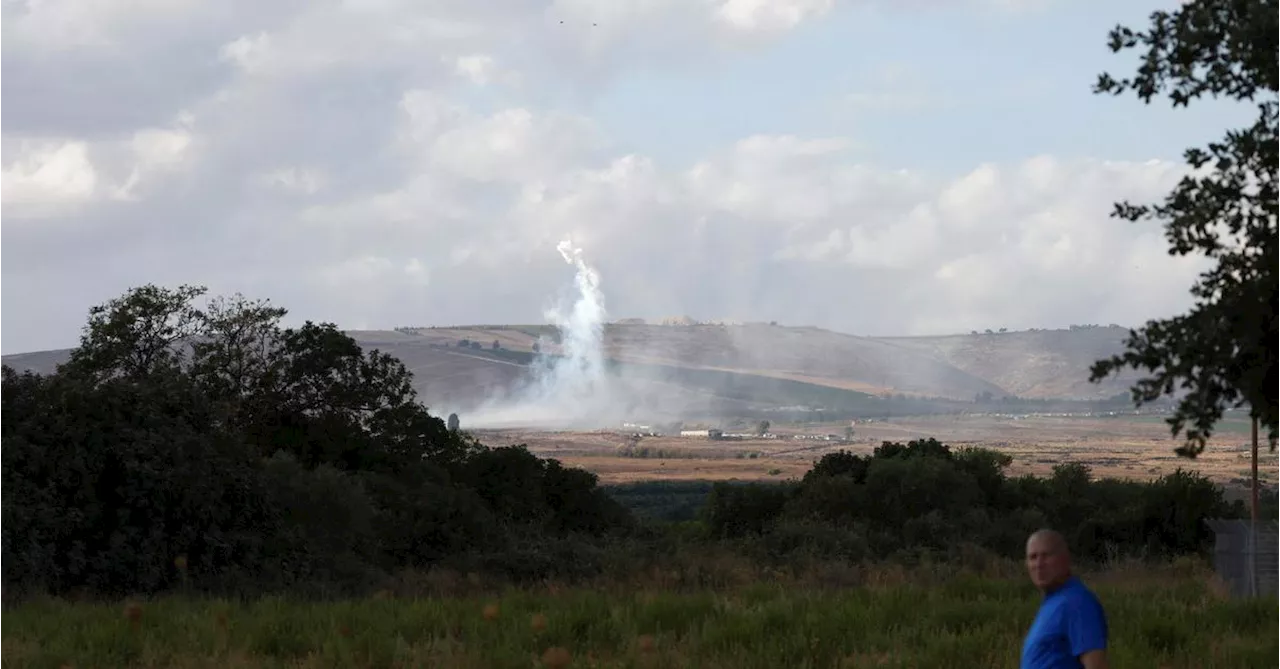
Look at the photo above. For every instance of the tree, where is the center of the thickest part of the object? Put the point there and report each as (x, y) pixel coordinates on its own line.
(839, 463)
(333, 403)
(22, 393)
(207, 446)
(138, 333)
(1222, 352)
(106, 481)
(237, 354)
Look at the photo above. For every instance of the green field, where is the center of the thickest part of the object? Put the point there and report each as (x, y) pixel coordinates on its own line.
(1168, 619)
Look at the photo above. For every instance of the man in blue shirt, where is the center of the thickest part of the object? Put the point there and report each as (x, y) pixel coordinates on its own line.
(1070, 630)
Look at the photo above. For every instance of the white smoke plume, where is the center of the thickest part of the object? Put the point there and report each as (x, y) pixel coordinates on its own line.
(573, 388)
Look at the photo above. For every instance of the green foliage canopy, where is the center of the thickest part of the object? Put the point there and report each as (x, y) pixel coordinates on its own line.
(1222, 353)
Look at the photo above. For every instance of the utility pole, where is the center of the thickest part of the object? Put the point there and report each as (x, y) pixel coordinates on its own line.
(1253, 481)
(1253, 508)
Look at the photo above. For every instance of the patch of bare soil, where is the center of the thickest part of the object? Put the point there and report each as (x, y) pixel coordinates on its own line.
(1119, 447)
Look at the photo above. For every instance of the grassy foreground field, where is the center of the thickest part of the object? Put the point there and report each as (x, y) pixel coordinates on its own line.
(1157, 620)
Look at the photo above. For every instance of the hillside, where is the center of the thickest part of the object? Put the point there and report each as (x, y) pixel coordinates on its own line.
(1036, 363)
(741, 369)
(1042, 364)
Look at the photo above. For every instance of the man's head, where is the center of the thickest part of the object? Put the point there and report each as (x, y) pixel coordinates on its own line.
(1048, 560)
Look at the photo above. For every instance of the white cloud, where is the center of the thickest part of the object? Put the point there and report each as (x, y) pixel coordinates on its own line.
(154, 151)
(69, 24)
(769, 15)
(512, 145)
(155, 147)
(249, 52)
(999, 244)
(61, 176)
(394, 162)
(486, 70)
(49, 177)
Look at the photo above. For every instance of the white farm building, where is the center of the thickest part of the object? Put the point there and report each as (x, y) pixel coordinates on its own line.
(709, 434)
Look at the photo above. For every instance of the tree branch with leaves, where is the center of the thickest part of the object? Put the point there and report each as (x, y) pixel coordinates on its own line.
(1222, 353)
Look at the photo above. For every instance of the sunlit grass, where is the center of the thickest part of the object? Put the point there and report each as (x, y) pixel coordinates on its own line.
(962, 621)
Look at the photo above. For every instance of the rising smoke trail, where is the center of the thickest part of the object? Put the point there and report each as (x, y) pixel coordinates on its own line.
(580, 371)
(572, 389)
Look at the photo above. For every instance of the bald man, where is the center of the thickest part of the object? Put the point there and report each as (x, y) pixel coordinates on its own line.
(1070, 629)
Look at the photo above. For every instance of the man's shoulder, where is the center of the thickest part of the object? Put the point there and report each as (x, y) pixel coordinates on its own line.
(1078, 588)
(1077, 594)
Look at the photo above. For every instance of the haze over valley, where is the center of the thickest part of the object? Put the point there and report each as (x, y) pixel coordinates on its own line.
(727, 370)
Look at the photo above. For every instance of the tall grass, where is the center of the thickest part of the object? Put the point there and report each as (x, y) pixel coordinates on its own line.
(893, 618)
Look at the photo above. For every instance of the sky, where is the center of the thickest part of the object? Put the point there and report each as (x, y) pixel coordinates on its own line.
(876, 167)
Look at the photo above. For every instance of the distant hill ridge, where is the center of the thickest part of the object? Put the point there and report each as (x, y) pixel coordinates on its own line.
(462, 363)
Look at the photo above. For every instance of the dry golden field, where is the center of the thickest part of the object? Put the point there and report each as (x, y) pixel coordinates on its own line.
(1137, 447)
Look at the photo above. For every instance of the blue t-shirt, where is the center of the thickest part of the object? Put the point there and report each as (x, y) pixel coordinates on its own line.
(1070, 623)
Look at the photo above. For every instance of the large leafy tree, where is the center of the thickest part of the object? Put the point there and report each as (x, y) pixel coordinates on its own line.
(206, 444)
(311, 391)
(1222, 353)
(236, 353)
(328, 401)
(145, 331)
